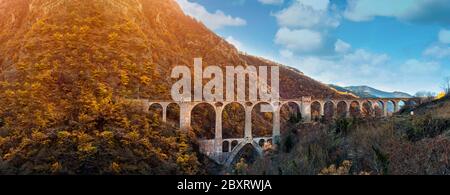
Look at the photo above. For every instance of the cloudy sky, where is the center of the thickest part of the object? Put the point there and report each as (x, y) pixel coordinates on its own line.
(401, 45)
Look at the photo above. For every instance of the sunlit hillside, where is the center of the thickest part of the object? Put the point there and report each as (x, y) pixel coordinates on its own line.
(68, 69)
(67, 66)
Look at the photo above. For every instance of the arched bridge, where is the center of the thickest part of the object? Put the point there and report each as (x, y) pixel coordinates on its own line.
(224, 151)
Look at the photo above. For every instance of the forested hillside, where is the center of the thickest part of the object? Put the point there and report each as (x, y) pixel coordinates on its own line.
(402, 145)
(67, 66)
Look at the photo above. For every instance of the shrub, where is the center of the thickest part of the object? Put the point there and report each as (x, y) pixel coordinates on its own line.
(124, 145)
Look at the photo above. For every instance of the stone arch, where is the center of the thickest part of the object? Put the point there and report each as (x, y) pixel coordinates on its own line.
(234, 143)
(261, 142)
(378, 108)
(211, 104)
(233, 120)
(225, 146)
(401, 104)
(236, 152)
(276, 104)
(203, 120)
(367, 109)
(316, 108)
(262, 122)
(263, 102)
(390, 106)
(218, 104)
(355, 109)
(291, 104)
(342, 109)
(290, 114)
(173, 115)
(412, 102)
(156, 112)
(329, 110)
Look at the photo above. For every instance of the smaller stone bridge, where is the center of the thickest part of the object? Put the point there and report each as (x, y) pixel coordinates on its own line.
(230, 148)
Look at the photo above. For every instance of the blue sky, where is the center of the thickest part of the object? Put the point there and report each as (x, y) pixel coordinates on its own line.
(401, 45)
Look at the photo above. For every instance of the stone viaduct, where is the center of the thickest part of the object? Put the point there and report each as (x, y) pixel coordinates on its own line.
(224, 151)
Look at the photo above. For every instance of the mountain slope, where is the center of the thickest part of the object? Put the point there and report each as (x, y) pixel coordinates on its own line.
(369, 92)
(64, 66)
(152, 32)
(377, 93)
(198, 41)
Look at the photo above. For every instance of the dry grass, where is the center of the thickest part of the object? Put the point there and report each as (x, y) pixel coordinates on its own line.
(400, 145)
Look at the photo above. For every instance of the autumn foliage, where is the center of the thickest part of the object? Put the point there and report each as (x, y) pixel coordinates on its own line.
(69, 67)
(63, 100)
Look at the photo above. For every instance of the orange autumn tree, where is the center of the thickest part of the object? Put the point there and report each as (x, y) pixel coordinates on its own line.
(63, 105)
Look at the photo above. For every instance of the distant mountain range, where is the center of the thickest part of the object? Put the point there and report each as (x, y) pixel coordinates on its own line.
(369, 92)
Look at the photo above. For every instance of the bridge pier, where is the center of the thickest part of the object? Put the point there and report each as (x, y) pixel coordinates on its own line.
(396, 106)
(164, 106)
(218, 133)
(164, 117)
(276, 134)
(347, 109)
(373, 107)
(248, 122)
(322, 109)
(335, 110)
(306, 109)
(385, 109)
(185, 115)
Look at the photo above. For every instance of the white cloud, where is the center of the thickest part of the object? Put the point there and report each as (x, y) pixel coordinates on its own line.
(414, 66)
(271, 2)
(214, 20)
(361, 57)
(364, 10)
(360, 67)
(316, 4)
(437, 51)
(421, 11)
(233, 41)
(440, 49)
(304, 26)
(444, 36)
(307, 14)
(428, 11)
(302, 40)
(341, 46)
